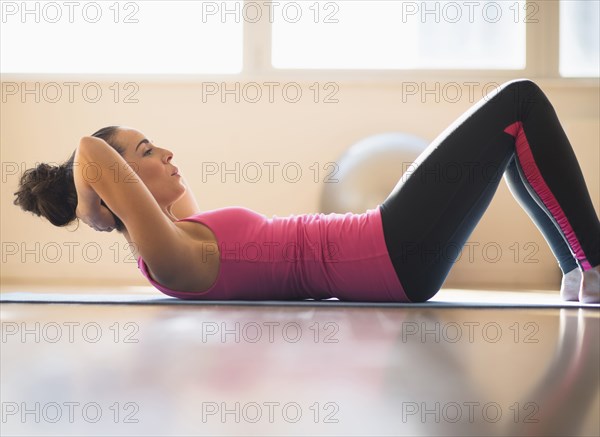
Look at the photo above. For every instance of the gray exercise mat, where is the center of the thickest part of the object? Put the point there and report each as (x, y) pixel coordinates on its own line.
(445, 298)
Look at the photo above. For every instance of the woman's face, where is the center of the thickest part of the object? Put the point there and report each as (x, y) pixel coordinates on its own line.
(153, 165)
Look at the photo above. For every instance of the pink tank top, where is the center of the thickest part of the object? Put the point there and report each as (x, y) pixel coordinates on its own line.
(308, 256)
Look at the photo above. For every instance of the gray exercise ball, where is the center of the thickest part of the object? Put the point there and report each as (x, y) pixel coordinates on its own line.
(368, 172)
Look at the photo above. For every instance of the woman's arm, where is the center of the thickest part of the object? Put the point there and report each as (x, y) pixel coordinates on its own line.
(103, 173)
(89, 208)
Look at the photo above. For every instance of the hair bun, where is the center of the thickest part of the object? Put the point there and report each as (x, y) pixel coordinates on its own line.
(48, 190)
(40, 177)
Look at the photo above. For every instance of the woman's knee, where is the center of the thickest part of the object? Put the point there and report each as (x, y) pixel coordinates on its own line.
(521, 88)
(521, 82)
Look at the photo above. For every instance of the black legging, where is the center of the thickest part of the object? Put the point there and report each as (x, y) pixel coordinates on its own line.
(514, 131)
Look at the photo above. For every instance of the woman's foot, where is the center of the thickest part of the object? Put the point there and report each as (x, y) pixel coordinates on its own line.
(571, 285)
(590, 286)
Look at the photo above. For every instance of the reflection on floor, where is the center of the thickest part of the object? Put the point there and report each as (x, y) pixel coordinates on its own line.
(73, 369)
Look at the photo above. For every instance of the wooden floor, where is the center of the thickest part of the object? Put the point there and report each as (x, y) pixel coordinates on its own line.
(158, 370)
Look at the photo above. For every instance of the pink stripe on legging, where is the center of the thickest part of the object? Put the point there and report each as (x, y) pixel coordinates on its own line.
(536, 180)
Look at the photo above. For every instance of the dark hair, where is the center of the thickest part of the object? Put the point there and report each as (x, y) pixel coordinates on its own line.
(49, 190)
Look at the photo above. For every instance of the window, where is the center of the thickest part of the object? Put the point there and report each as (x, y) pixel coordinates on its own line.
(351, 34)
(137, 37)
(340, 39)
(579, 38)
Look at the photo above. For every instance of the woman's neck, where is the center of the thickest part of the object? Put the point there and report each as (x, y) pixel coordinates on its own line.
(170, 214)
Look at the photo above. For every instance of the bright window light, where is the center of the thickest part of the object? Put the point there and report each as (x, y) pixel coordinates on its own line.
(137, 37)
(395, 34)
(579, 38)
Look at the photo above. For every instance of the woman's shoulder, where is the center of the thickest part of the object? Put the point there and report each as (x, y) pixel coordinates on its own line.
(200, 261)
(192, 236)
(224, 212)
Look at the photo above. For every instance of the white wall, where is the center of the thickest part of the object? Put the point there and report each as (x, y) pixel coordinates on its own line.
(306, 132)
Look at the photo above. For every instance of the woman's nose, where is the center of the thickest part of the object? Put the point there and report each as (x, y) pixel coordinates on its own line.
(168, 156)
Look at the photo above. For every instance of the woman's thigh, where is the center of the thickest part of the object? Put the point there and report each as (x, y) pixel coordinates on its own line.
(440, 199)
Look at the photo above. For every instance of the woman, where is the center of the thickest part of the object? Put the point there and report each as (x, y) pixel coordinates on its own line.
(390, 253)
